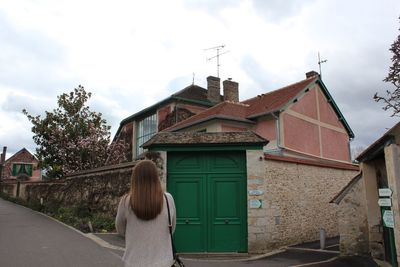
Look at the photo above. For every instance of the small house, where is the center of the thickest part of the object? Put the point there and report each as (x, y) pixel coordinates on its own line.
(252, 175)
(22, 166)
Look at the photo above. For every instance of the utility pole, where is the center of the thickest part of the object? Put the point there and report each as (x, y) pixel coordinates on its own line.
(218, 48)
(319, 63)
(2, 161)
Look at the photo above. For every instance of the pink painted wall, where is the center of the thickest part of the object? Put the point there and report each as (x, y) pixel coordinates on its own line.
(326, 112)
(230, 128)
(334, 145)
(306, 105)
(267, 129)
(301, 135)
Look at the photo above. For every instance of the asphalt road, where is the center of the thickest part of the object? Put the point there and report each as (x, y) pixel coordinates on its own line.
(28, 238)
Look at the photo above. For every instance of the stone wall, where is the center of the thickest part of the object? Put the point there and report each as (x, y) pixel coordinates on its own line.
(295, 203)
(98, 189)
(9, 188)
(353, 225)
(256, 217)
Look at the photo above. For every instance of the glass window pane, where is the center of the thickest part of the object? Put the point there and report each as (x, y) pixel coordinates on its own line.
(147, 127)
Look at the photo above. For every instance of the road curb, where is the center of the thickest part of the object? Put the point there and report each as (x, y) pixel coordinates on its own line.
(90, 236)
(315, 262)
(314, 250)
(208, 257)
(102, 242)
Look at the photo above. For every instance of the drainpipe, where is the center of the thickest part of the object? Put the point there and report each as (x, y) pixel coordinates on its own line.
(278, 129)
(349, 145)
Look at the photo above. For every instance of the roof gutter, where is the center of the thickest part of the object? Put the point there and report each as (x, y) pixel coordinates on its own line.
(148, 109)
(278, 129)
(376, 149)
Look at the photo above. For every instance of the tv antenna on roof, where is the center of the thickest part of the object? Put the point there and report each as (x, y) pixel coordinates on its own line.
(319, 63)
(218, 48)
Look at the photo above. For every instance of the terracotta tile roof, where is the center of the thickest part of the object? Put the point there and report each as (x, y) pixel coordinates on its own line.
(275, 100)
(19, 152)
(253, 107)
(224, 110)
(193, 92)
(200, 138)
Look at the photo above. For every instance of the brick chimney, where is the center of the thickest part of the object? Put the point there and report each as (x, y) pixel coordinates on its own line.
(231, 90)
(213, 89)
(311, 74)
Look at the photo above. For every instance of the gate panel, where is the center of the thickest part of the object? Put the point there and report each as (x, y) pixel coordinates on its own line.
(209, 189)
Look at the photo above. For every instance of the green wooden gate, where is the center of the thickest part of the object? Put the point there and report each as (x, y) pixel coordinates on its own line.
(209, 189)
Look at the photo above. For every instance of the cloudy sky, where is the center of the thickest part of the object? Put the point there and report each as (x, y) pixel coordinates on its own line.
(131, 54)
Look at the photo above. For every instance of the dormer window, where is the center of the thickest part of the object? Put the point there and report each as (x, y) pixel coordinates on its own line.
(146, 128)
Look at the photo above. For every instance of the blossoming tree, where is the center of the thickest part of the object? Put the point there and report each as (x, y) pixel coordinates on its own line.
(72, 138)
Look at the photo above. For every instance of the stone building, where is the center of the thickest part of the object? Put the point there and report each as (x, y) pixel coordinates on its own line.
(253, 175)
(371, 202)
(353, 224)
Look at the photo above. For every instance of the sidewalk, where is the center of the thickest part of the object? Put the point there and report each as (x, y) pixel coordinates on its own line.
(292, 256)
(306, 254)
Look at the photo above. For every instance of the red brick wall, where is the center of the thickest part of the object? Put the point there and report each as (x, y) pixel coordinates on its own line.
(23, 156)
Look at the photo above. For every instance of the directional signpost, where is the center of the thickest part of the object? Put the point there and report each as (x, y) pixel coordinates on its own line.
(388, 219)
(385, 192)
(385, 202)
(255, 204)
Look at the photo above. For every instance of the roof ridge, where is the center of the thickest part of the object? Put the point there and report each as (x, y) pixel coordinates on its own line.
(18, 152)
(281, 88)
(236, 103)
(212, 110)
(187, 87)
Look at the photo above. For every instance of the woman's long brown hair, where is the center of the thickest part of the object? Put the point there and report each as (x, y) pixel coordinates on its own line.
(146, 193)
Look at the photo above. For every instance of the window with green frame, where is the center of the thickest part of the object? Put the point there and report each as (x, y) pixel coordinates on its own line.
(21, 168)
(146, 128)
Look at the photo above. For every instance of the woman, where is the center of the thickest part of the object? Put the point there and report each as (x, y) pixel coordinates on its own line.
(142, 218)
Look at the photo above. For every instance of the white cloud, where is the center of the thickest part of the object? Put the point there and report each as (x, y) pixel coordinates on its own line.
(131, 54)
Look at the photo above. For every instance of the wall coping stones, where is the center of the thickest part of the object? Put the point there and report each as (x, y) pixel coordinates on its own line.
(120, 166)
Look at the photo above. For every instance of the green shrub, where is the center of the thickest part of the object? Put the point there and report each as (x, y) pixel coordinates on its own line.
(82, 210)
(78, 216)
(102, 223)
